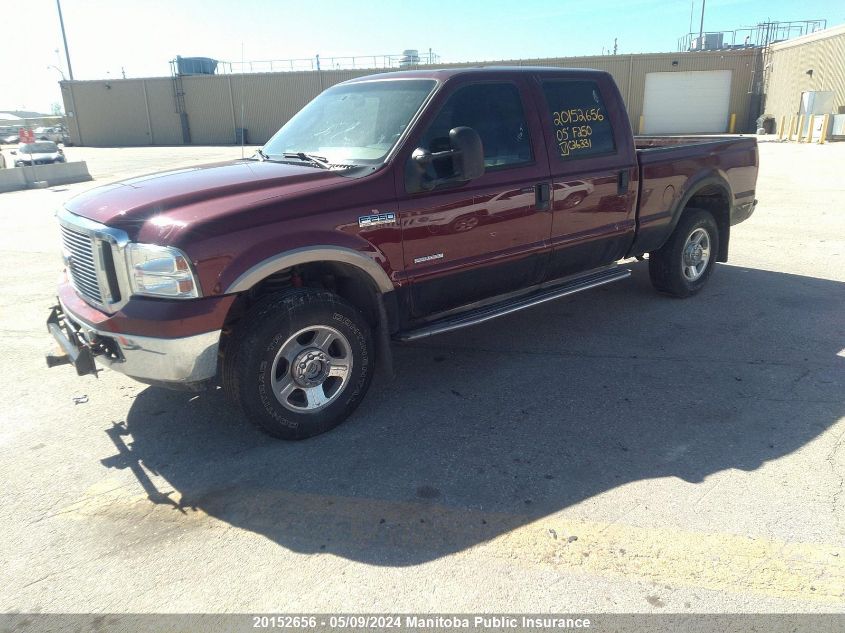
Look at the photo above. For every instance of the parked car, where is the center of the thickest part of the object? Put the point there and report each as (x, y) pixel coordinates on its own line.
(10, 139)
(38, 153)
(285, 276)
(55, 134)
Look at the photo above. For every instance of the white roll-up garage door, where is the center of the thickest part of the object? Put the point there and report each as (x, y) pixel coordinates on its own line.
(693, 102)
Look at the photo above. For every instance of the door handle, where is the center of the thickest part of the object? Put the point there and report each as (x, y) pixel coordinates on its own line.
(622, 182)
(542, 196)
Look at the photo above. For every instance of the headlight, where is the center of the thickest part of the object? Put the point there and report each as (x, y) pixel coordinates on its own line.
(160, 271)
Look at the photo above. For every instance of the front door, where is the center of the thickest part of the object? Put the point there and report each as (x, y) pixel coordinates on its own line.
(469, 242)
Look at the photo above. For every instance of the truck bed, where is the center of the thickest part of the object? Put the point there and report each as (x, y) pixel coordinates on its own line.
(671, 166)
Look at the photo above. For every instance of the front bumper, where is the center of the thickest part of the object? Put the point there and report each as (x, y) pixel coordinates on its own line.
(177, 362)
(27, 163)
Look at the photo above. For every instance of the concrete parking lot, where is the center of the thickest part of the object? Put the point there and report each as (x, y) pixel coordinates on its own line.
(617, 451)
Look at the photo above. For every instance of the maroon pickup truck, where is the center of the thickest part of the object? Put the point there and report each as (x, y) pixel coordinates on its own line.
(395, 206)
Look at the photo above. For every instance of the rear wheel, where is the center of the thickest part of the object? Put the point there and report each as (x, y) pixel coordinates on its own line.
(683, 265)
(299, 363)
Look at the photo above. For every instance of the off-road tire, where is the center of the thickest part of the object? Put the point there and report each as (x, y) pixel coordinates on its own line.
(666, 265)
(252, 346)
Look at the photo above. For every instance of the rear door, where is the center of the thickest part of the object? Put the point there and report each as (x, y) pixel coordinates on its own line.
(468, 242)
(593, 170)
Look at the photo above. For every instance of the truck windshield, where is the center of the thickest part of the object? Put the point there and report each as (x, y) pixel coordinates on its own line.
(352, 124)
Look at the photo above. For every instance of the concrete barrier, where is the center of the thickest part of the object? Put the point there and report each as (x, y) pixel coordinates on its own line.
(12, 179)
(56, 174)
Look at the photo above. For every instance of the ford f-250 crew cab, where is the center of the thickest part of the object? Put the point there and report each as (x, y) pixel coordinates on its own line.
(394, 206)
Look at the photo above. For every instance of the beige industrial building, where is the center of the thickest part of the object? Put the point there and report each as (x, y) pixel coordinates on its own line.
(665, 93)
(813, 65)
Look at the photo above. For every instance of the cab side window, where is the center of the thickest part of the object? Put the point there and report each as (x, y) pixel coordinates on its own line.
(578, 119)
(494, 110)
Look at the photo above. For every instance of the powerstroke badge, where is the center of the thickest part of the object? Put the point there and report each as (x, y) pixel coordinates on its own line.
(428, 258)
(374, 220)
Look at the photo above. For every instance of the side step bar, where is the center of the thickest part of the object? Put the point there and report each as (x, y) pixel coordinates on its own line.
(479, 315)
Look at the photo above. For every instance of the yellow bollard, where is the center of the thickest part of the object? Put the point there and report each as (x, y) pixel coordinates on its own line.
(810, 120)
(782, 125)
(642, 123)
(800, 138)
(823, 136)
(733, 122)
(791, 128)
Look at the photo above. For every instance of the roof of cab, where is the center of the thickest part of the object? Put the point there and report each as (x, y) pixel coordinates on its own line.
(443, 74)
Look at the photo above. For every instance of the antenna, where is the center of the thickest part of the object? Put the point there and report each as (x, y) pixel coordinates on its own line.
(691, 9)
(243, 135)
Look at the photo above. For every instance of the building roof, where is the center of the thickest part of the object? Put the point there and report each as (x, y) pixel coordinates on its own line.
(27, 114)
(810, 37)
(446, 73)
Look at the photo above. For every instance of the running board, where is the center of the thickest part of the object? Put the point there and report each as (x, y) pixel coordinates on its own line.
(479, 315)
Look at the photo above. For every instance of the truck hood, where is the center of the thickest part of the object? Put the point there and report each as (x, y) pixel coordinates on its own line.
(195, 194)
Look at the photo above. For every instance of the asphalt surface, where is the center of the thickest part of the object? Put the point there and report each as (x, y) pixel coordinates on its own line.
(613, 451)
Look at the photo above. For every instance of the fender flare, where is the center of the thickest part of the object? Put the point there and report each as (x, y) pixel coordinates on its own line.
(694, 188)
(724, 230)
(309, 254)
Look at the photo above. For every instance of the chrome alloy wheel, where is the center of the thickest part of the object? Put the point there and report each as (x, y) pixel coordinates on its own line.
(696, 254)
(311, 369)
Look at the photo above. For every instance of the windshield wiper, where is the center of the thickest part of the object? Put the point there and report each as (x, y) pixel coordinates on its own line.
(319, 161)
(261, 153)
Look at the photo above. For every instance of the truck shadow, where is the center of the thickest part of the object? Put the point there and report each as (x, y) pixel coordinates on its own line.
(495, 426)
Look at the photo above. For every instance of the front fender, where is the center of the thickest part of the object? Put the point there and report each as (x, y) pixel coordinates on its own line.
(367, 261)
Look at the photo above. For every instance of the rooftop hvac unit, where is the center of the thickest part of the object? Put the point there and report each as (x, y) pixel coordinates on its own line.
(410, 57)
(195, 65)
(707, 42)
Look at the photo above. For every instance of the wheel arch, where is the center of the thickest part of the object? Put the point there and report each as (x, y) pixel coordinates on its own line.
(352, 275)
(712, 193)
(307, 255)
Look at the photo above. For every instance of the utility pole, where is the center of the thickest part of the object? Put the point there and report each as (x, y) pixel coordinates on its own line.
(64, 38)
(701, 27)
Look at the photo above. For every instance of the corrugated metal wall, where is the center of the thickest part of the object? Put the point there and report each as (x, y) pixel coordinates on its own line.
(824, 53)
(164, 121)
(142, 111)
(742, 65)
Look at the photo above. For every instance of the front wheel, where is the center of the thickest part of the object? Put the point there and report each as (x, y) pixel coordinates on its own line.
(682, 265)
(299, 363)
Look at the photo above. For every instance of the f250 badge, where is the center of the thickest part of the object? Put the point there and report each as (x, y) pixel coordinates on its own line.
(378, 218)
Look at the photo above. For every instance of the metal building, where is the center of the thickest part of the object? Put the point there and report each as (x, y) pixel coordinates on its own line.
(810, 65)
(707, 92)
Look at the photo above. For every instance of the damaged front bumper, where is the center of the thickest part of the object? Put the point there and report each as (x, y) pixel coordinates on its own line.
(172, 362)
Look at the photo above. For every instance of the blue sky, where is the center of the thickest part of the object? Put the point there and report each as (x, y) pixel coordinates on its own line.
(142, 35)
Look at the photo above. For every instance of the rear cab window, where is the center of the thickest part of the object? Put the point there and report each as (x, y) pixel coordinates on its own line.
(577, 119)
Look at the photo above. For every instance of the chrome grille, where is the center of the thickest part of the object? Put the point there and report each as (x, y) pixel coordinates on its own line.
(81, 259)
